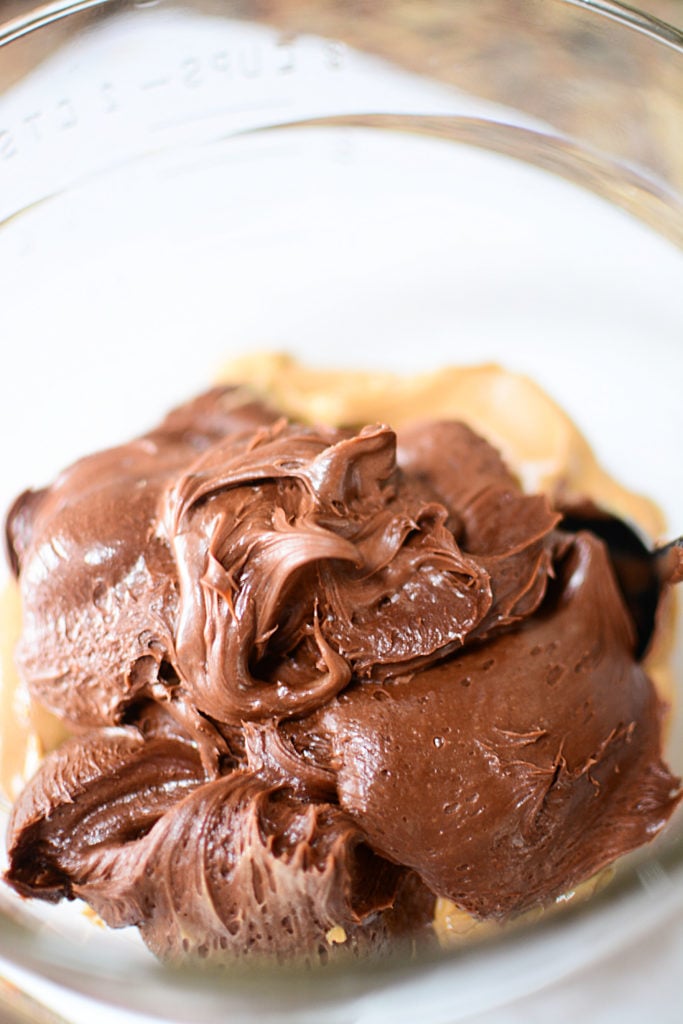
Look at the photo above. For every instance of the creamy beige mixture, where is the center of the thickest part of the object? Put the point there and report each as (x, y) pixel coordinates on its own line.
(535, 437)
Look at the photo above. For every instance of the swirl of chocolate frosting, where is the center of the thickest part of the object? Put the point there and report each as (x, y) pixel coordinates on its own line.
(199, 865)
(381, 583)
(320, 677)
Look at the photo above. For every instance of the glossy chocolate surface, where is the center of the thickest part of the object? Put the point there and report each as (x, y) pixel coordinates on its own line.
(319, 677)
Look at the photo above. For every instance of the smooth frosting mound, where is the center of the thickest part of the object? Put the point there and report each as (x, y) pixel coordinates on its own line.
(320, 677)
(532, 759)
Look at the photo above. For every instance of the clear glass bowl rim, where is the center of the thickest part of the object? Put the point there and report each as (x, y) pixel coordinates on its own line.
(43, 15)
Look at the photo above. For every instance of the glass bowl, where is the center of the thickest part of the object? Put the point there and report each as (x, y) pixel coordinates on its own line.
(391, 186)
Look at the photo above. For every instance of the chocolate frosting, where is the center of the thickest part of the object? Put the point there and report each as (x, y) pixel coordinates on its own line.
(317, 678)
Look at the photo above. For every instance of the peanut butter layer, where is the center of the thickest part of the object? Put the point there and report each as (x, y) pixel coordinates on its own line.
(533, 434)
(27, 730)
